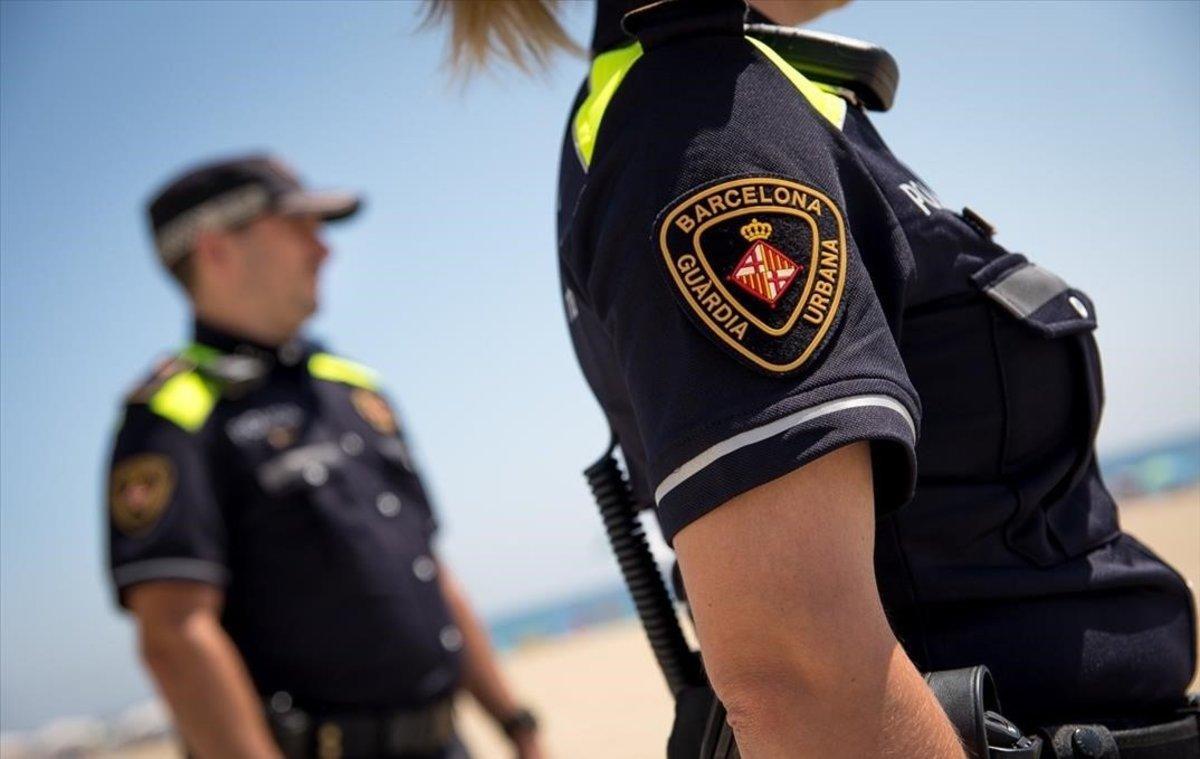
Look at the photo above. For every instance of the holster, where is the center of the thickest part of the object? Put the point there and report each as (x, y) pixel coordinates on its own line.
(968, 696)
(699, 726)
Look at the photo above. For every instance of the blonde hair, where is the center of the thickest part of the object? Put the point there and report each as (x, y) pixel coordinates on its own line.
(526, 33)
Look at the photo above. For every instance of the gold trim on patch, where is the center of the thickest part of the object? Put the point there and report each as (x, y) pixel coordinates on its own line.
(718, 281)
(139, 489)
(742, 197)
(374, 410)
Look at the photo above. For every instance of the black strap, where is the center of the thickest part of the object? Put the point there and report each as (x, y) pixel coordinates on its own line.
(1175, 739)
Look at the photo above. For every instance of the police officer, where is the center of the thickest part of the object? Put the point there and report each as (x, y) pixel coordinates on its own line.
(268, 527)
(780, 320)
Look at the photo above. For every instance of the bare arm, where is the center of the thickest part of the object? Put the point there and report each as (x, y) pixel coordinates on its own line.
(482, 676)
(199, 671)
(782, 585)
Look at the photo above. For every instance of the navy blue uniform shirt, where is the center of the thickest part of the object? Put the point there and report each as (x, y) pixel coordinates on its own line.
(752, 280)
(283, 477)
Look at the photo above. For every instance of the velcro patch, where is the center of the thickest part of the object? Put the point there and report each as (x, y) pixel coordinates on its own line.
(759, 264)
(139, 489)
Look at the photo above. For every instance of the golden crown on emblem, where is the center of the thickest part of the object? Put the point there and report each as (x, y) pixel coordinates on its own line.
(756, 230)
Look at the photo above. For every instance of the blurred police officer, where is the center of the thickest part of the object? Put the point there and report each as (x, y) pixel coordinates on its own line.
(268, 528)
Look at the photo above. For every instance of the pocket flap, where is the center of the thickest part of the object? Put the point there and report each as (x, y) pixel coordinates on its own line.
(1037, 297)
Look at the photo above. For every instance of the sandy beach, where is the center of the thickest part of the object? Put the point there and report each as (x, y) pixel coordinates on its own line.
(600, 695)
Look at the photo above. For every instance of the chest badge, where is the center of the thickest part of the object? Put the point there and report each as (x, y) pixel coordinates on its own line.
(139, 489)
(279, 424)
(375, 411)
(771, 303)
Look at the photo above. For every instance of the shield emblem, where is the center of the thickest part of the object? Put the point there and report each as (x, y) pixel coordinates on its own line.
(759, 263)
(139, 489)
(375, 410)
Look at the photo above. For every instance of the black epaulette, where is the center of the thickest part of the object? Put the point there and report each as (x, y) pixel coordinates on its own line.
(667, 20)
(166, 368)
(864, 73)
(230, 375)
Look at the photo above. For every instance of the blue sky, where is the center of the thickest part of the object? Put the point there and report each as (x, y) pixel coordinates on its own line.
(1072, 126)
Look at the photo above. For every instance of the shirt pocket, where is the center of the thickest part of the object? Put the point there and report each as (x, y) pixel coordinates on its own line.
(308, 497)
(1052, 392)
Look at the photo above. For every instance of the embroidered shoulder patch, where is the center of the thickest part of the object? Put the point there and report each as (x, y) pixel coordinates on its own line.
(374, 410)
(139, 489)
(760, 265)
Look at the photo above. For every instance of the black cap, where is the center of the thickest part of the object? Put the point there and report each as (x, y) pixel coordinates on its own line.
(226, 194)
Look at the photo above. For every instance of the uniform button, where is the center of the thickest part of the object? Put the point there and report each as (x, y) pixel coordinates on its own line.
(289, 354)
(451, 638)
(424, 568)
(388, 504)
(1087, 743)
(281, 701)
(315, 474)
(352, 444)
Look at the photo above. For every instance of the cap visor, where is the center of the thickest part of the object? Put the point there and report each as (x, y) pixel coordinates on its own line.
(329, 206)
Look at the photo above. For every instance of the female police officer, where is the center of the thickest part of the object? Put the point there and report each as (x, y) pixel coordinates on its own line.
(769, 306)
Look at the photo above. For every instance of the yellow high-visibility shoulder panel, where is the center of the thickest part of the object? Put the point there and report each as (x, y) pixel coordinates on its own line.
(832, 107)
(610, 68)
(326, 366)
(186, 399)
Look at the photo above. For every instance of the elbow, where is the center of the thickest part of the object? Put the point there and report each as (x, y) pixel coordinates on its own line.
(161, 645)
(763, 689)
(174, 620)
(158, 648)
(757, 701)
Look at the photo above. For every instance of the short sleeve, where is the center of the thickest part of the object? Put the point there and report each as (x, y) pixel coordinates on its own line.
(745, 271)
(165, 520)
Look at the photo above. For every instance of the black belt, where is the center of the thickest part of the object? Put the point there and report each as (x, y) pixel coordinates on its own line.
(427, 732)
(1176, 739)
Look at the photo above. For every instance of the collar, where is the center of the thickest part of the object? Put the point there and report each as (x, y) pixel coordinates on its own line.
(609, 33)
(240, 364)
(290, 353)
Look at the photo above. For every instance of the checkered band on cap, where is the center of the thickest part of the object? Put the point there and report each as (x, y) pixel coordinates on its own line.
(229, 209)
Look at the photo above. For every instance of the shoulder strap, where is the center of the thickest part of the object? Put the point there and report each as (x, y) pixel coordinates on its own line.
(187, 399)
(331, 368)
(179, 390)
(829, 105)
(609, 70)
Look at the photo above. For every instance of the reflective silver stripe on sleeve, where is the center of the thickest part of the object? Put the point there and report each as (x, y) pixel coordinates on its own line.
(759, 434)
(170, 569)
(1026, 289)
